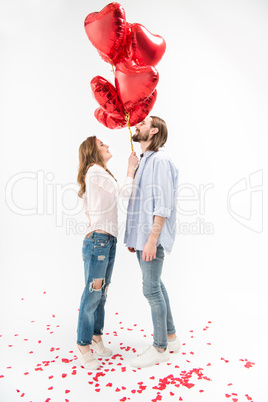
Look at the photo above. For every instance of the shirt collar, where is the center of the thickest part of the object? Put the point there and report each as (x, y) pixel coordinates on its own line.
(147, 154)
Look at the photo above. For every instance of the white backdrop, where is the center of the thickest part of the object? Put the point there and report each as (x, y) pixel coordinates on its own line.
(213, 95)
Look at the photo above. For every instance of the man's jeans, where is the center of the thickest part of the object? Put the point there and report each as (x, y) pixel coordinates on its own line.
(155, 291)
(98, 254)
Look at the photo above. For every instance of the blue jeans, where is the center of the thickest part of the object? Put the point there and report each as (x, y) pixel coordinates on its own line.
(98, 254)
(156, 294)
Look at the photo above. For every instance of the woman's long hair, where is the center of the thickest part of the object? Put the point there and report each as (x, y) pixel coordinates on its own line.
(89, 155)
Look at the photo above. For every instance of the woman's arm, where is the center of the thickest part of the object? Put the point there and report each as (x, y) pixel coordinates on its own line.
(126, 189)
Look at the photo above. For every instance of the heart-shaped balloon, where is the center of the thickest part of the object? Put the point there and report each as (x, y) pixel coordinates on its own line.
(145, 48)
(142, 110)
(134, 83)
(106, 30)
(112, 121)
(119, 120)
(106, 95)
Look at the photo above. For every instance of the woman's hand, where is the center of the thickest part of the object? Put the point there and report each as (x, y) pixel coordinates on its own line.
(132, 162)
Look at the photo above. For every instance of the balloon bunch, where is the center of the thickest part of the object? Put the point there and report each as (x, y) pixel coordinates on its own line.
(133, 53)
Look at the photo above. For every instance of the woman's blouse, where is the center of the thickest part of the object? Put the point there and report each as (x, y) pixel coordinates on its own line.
(100, 199)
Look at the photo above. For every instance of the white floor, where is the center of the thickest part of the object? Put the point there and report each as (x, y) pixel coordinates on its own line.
(38, 362)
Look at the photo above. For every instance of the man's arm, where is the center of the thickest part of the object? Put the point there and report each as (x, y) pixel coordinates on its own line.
(149, 250)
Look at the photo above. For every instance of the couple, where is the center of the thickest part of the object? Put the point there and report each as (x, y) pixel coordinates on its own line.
(151, 187)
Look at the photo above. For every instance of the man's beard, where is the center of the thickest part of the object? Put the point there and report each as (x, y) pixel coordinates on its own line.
(137, 137)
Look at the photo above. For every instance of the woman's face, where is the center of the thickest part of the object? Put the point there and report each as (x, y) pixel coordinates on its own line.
(104, 150)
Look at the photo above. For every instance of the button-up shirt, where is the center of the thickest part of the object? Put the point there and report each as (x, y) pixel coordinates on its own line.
(154, 193)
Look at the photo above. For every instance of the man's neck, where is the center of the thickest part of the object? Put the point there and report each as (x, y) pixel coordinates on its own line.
(144, 145)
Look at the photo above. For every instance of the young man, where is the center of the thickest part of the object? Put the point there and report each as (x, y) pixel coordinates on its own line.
(150, 230)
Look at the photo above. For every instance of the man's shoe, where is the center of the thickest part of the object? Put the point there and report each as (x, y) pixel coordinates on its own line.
(100, 349)
(87, 359)
(174, 346)
(150, 357)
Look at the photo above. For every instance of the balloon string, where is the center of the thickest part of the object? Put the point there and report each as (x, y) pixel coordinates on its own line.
(128, 124)
(126, 114)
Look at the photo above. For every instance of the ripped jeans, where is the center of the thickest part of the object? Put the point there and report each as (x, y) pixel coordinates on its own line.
(98, 254)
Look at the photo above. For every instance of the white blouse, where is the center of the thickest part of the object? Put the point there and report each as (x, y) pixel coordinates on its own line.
(100, 199)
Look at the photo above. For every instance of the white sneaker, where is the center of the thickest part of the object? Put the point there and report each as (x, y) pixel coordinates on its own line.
(174, 346)
(100, 349)
(87, 359)
(150, 357)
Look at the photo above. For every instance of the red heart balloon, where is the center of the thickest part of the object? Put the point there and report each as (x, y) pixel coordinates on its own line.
(110, 120)
(106, 30)
(134, 83)
(106, 95)
(145, 48)
(118, 120)
(139, 113)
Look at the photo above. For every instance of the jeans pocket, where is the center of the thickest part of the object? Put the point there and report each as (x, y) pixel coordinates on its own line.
(160, 253)
(101, 242)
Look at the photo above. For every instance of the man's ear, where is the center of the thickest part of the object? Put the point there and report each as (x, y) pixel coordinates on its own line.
(154, 130)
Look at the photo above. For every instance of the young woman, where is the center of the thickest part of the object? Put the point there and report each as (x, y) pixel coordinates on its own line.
(100, 191)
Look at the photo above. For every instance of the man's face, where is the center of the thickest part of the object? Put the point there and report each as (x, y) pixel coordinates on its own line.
(143, 130)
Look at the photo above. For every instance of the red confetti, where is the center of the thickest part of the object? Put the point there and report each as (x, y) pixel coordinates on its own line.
(117, 390)
(50, 388)
(228, 396)
(109, 384)
(171, 394)
(67, 391)
(248, 397)
(249, 364)
(64, 375)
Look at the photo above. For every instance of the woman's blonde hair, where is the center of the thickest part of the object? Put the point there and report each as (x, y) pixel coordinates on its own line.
(89, 155)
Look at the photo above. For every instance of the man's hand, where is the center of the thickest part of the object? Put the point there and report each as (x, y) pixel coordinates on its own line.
(149, 251)
(131, 249)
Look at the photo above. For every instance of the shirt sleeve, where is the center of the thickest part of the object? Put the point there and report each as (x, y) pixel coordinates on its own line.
(98, 177)
(163, 189)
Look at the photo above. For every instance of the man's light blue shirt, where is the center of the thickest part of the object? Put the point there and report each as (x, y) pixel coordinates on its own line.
(154, 193)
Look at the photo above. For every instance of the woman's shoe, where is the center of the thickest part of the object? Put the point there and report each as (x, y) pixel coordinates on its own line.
(100, 349)
(87, 359)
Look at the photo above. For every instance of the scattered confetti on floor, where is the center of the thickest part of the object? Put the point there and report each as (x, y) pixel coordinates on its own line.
(36, 367)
